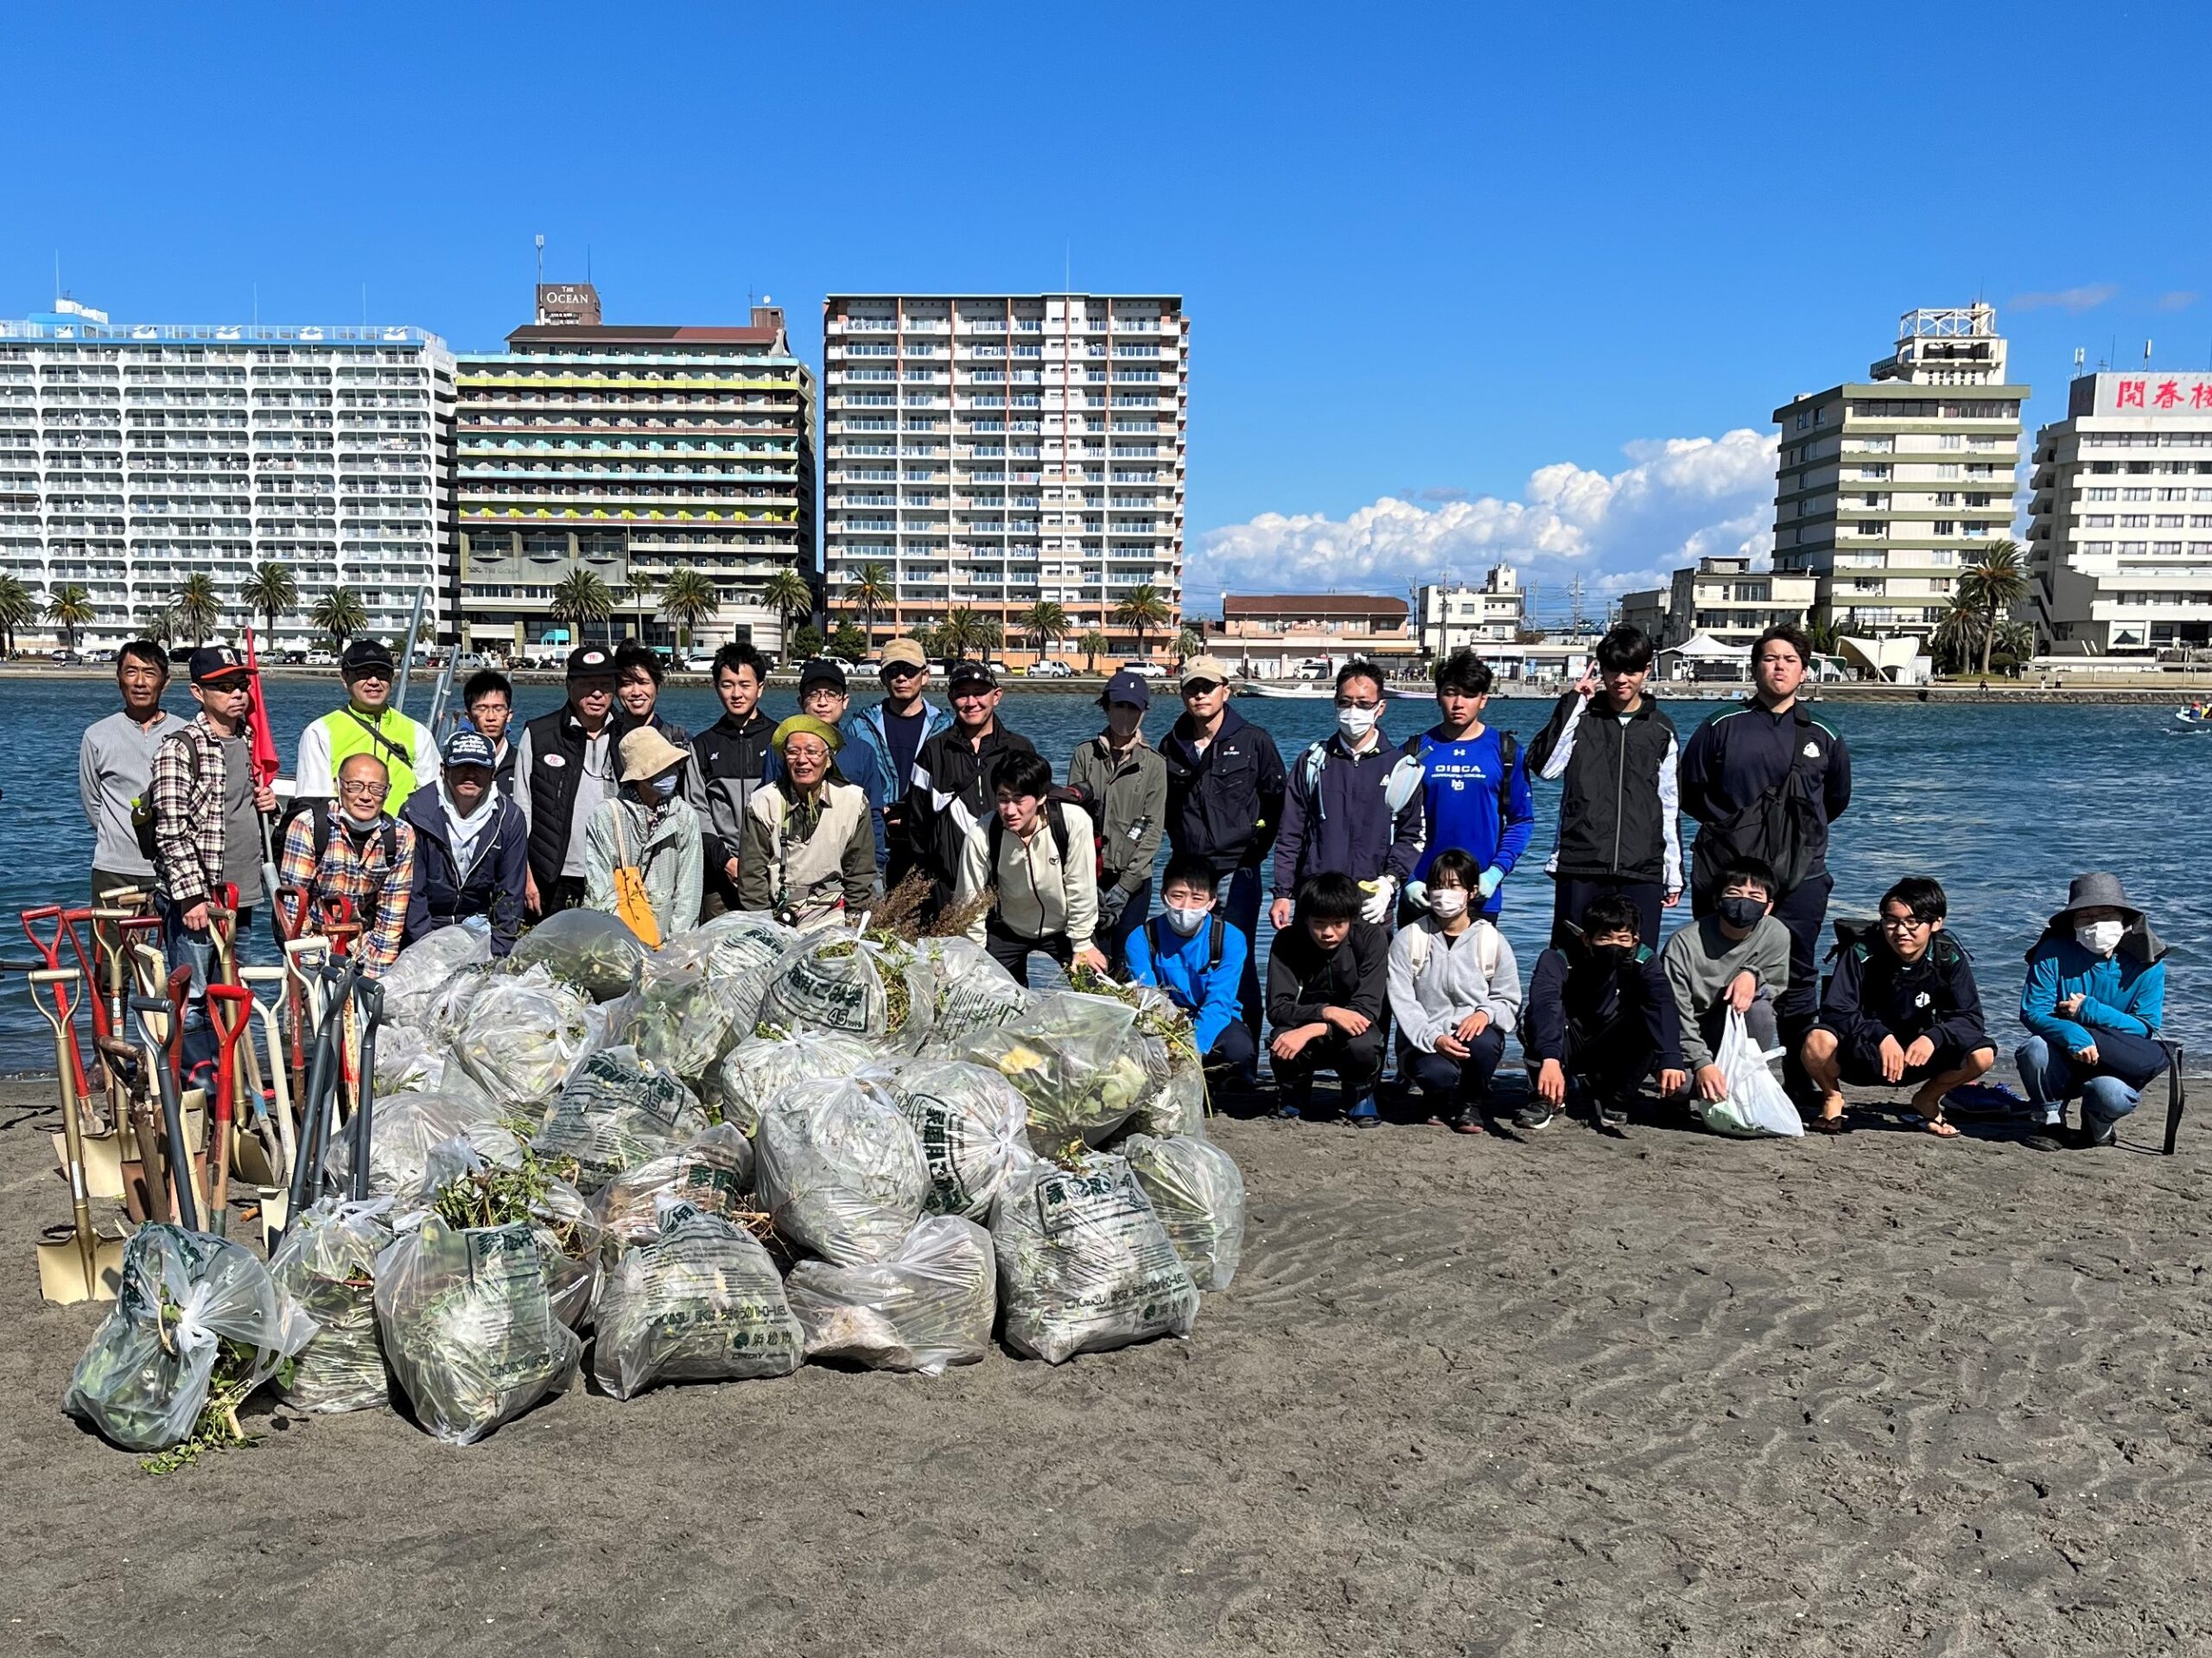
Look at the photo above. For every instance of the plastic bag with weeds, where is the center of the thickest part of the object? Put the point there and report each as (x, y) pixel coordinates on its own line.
(970, 1119)
(327, 1266)
(973, 992)
(1085, 1264)
(408, 1061)
(762, 1067)
(414, 981)
(589, 949)
(1164, 1043)
(700, 1302)
(840, 1169)
(1197, 1191)
(445, 1014)
(703, 992)
(525, 1034)
(1077, 1061)
(405, 1128)
(468, 1327)
(713, 1174)
(464, 1191)
(198, 1325)
(615, 1113)
(837, 981)
(927, 1306)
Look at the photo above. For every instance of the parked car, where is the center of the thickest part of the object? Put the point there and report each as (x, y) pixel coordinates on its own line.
(699, 662)
(294, 658)
(1049, 670)
(65, 657)
(1145, 669)
(322, 659)
(104, 654)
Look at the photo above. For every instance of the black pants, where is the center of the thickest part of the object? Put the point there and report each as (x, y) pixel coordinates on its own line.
(1610, 1063)
(567, 892)
(1357, 1060)
(1464, 1082)
(1571, 895)
(1114, 941)
(1234, 1047)
(1011, 951)
(1805, 912)
(1240, 904)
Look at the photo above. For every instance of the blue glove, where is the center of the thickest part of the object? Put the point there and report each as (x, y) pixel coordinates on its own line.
(1489, 881)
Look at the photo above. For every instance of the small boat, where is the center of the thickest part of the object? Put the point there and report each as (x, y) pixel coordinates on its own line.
(2192, 716)
(1305, 690)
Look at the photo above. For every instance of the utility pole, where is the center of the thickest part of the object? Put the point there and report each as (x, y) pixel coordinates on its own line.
(1574, 592)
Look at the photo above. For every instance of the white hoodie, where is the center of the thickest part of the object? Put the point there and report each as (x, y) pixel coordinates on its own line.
(1451, 982)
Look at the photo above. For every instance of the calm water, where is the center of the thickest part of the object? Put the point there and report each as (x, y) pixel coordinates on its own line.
(2001, 803)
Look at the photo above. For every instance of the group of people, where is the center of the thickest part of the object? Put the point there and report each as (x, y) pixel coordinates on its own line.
(1382, 863)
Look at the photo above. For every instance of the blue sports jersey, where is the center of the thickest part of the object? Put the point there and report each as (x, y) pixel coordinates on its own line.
(1461, 791)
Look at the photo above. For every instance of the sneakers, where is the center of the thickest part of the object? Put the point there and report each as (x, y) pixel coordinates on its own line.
(1533, 1116)
(1467, 1120)
(1361, 1113)
(1611, 1114)
(1287, 1110)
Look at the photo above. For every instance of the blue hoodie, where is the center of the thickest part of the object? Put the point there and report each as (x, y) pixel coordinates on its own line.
(2125, 990)
(1159, 955)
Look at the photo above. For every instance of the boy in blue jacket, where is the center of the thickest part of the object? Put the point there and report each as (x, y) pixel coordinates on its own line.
(1474, 787)
(2094, 999)
(1197, 958)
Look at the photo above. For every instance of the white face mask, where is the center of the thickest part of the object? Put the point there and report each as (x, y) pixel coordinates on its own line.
(1446, 902)
(1356, 723)
(1185, 921)
(360, 825)
(2100, 937)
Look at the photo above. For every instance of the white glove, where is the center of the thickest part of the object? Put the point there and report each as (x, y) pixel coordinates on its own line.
(1490, 879)
(1378, 907)
(1417, 894)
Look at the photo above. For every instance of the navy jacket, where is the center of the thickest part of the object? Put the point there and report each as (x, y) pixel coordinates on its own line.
(1341, 822)
(492, 886)
(1732, 776)
(1873, 993)
(1224, 805)
(1574, 1004)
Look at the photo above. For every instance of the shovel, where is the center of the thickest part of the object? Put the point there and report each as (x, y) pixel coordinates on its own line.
(75, 1263)
(230, 1010)
(318, 1103)
(145, 1194)
(368, 997)
(265, 1157)
(161, 1024)
(50, 948)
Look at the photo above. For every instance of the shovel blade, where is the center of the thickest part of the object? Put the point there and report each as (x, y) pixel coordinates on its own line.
(61, 1268)
(103, 1163)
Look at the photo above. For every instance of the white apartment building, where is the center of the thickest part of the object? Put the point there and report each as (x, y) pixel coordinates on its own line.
(1460, 617)
(992, 452)
(1727, 597)
(1887, 488)
(133, 456)
(2119, 529)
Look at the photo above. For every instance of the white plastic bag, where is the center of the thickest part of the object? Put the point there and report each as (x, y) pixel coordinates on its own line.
(762, 1067)
(421, 971)
(1197, 1191)
(970, 1119)
(840, 1169)
(1084, 1262)
(327, 1266)
(712, 1174)
(526, 1032)
(1755, 1105)
(928, 1304)
(701, 1302)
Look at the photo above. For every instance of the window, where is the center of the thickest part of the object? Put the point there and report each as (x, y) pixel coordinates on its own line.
(1950, 440)
(1947, 527)
(1948, 470)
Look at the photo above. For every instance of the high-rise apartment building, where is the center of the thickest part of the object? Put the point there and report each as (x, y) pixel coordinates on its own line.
(1459, 617)
(1887, 488)
(135, 455)
(2119, 529)
(994, 452)
(630, 453)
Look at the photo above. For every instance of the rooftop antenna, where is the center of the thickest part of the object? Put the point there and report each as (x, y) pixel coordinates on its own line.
(2078, 355)
(57, 276)
(541, 259)
(2146, 354)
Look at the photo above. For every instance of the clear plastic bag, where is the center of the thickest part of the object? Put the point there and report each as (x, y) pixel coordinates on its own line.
(1084, 1262)
(973, 992)
(468, 1327)
(525, 1034)
(1197, 1193)
(405, 1128)
(414, 980)
(701, 1302)
(703, 992)
(712, 1174)
(927, 1306)
(836, 981)
(408, 1061)
(188, 1306)
(762, 1067)
(1756, 1106)
(1078, 1061)
(465, 1192)
(445, 1012)
(593, 951)
(615, 1113)
(970, 1119)
(840, 1169)
(327, 1266)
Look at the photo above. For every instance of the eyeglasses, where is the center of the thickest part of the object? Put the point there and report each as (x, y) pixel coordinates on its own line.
(1904, 924)
(376, 674)
(1201, 686)
(902, 671)
(236, 687)
(1354, 703)
(365, 790)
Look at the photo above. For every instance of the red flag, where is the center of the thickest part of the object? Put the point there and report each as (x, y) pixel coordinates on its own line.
(266, 764)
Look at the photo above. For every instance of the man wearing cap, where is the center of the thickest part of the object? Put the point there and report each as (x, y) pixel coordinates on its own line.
(823, 693)
(899, 724)
(730, 759)
(2094, 1002)
(353, 849)
(206, 813)
(951, 794)
(472, 849)
(809, 848)
(1226, 785)
(649, 827)
(1124, 785)
(564, 767)
(366, 725)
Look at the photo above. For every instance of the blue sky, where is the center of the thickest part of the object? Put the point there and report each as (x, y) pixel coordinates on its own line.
(1467, 283)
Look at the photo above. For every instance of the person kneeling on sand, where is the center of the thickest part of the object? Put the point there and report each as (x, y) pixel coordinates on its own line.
(1736, 958)
(1197, 955)
(1600, 1019)
(1901, 1007)
(1325, 984)
(2094, 999)
(1455, 990)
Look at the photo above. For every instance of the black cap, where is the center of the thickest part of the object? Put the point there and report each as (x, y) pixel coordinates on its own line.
(968, 672)
(363, 655)
(1126, 687)
(214, 661)
(590, 661)
(820, 670)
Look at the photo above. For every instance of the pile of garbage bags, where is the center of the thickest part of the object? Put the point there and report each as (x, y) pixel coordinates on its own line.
(750, 1149)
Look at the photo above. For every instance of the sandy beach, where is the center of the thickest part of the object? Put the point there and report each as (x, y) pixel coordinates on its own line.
(1572, 1394)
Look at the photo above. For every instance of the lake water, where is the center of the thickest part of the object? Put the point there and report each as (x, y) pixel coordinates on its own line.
(2002, 804)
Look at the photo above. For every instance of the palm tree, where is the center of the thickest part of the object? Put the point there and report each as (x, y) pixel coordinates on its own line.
(158, 623)
(1144, 610)
(965, 629)
(580, 598)
(1959, 635)
(1091, 644)
(1045, 623)
(340, 613)
(2018, 641)
(638, 591)
(686, 599)
(1827, 639)
(271, 590)
(871, 589)
(788, 595)
(17, 609)
(198, 606)
(1997, 581)
(72, 608)
(1189, 644)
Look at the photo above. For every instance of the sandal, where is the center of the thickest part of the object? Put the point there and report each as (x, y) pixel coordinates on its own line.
(1935, 1125)
(1838, 1124)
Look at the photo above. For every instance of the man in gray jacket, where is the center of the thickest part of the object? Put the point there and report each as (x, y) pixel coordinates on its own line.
(115, 767)
(1736, 957)
(1123, 782)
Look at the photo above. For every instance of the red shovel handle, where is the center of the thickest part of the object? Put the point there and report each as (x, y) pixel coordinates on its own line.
(49, 947)
(291, 905)
(229, 1008)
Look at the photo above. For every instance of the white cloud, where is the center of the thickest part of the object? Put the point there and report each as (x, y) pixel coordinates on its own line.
(2073, 301)
(1680, 498)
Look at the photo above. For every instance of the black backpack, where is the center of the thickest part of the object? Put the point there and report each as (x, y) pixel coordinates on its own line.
(1216, 938)
(1056, 799)
(142, 809)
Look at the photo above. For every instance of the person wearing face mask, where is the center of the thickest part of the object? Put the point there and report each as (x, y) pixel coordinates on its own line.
(1736, 957)
(1455, 992)
(1352, 807)
(1198, 955)
(2094, 1004)
(1600, 1021)
(352, 847)
(472, 849)
(649, 827)
(809, 850)
(1124, 779)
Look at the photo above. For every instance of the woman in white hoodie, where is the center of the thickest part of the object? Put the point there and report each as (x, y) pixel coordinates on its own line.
(1455, 993)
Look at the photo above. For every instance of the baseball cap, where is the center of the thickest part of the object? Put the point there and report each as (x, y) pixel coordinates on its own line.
(820, 670)
(965, 672)
(363, 655)
(471, 748)
(1126, 687)
(588, 661)
(1210, 668)
(908, 651)
(214, 662)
